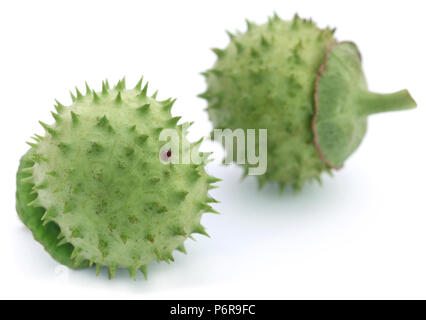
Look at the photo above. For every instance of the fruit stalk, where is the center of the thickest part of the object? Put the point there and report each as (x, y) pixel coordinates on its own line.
(371, 102)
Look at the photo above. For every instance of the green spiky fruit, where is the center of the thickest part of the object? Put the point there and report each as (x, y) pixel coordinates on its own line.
(309, 91)
(93, 190)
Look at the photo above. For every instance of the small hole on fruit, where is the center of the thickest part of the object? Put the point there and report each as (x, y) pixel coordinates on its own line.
(166, 155)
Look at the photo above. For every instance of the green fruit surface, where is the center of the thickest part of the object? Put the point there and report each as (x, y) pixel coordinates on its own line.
(293, 79)
(265, 79)
(47, 234)
(98, 190)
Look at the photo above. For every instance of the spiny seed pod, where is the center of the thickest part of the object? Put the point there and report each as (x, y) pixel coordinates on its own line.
(93, 190)
(308, 90)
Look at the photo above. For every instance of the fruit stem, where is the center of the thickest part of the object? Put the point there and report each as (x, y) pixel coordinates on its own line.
(370, 102)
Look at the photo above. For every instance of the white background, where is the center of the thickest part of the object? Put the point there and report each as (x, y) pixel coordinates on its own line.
(361, 235)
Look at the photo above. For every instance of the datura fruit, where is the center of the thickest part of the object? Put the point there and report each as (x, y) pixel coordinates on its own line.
(95, 189)
(308, 90)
